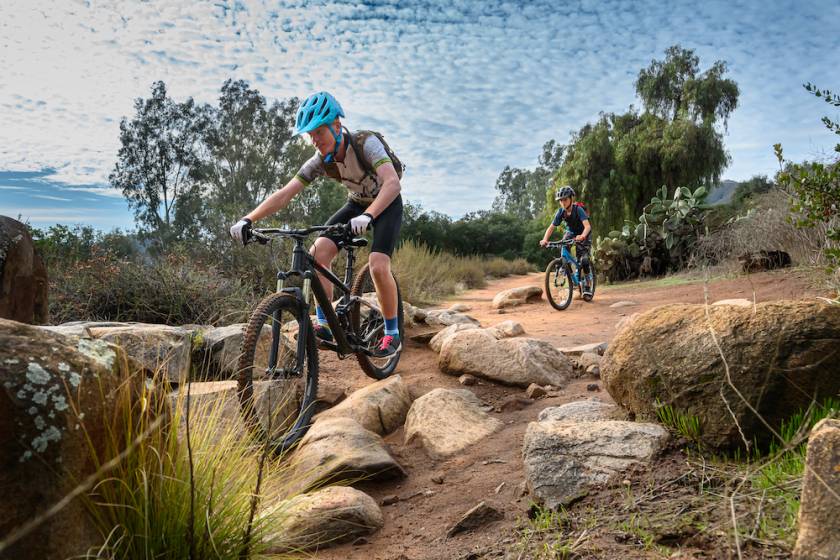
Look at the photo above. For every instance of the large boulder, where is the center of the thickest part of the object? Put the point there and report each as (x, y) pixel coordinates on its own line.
(513, 361)
(447, 421)
(23, 276)
(580, 411)
(564, 459)
(216, 351)
(340, 449)
(436, 343)
(773, 361)
(59, 396)
(819, 524)
(321, 519)
(161, 349)
(517, 296)
(380, 407)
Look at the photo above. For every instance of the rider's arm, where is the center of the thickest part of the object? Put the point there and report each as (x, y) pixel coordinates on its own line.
(388, 193)
(548, 232)
(277, 201)
(586, 229)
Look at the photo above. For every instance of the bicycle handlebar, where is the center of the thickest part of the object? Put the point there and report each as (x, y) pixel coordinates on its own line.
(555, 244)
(264, 235)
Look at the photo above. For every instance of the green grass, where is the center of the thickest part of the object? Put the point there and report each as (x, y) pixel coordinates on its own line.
(686, 425)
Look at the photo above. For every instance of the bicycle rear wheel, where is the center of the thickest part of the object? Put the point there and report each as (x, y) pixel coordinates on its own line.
(558, 284)
(278, 371)
(369, 326)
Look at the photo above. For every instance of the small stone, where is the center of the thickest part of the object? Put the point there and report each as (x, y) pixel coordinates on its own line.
(481, 514)
(625, 482)
(535, 391)
(390, 500)
(467, 379)
(593, 387)
(501, 311)
(512, 403)
(437, 479)
(594, 370)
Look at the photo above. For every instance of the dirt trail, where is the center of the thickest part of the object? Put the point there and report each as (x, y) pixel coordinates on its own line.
(416, 525)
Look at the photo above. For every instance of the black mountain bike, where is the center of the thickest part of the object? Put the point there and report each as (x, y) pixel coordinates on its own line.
(563, 274)
(284, 364)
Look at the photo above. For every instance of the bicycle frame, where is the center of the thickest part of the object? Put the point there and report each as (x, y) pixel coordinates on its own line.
(304, 266)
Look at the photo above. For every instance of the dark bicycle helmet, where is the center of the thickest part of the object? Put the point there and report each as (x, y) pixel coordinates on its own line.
(564, 192)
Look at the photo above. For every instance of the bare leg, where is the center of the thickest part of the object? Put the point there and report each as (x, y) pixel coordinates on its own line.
(324, 251)
(386, 287)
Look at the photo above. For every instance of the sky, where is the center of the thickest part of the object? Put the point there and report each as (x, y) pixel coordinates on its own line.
(460, 88)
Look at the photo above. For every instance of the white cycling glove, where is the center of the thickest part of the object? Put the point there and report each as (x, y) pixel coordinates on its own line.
(239, 231)
(360, 223)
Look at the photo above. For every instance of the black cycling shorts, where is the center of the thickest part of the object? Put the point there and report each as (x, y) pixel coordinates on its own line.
(386, 226)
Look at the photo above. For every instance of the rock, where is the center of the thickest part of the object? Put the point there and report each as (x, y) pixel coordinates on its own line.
(330, 516)
(480, 515)
(336, 449)
(517, 296)
(437, 341)
(506, 329)
(380, 407)
(446, 421)
(535, 391)
(580, 411)
(625, 303)
(216, 351)
(58, 400)
(459, 308)
(741, 302)
(593, 387)
(437, 479)
(158, 348)
(594, 348)
(624, 322)
(588, 359)
(780, 356)
(23, 276)
(81, 329)
(819, 524)
(423, 337)
(513, 361)
(389, 500)
(445, 318)
(512, 403)
(564, 459)
(329, 393)
(467, 379)
(412, 315)
(217, 402)
(594, 370)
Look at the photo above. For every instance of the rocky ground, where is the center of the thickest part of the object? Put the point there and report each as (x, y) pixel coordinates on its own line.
(420, 509)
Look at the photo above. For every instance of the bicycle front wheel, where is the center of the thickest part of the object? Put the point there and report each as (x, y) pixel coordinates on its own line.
(369, 326)
(278, 371)
(558, 284)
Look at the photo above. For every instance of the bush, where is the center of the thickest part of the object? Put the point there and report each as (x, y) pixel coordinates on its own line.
(174, 290)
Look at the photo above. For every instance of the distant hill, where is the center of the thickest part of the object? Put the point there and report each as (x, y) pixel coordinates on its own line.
(722, 193)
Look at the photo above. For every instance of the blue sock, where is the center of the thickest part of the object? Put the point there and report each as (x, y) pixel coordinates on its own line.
(322, 319)
(392, 328)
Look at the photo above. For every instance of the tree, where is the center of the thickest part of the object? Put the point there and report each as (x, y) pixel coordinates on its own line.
(621, 161)
(156, 165)
(522, 192)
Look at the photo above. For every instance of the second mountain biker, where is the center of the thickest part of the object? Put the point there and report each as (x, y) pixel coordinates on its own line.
(362, 163)
(577, 226)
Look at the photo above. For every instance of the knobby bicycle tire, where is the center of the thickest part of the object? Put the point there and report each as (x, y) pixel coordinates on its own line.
(558, 266)
(289, 421)
(362, 284)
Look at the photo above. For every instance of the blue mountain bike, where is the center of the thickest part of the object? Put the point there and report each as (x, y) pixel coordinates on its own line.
(564, 274)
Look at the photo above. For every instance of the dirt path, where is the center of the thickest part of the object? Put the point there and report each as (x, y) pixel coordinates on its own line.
(416, 525)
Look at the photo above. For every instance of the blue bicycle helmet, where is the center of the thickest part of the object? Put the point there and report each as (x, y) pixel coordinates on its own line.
(316, 110)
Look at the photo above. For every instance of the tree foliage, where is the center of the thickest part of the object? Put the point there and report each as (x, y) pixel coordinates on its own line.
(522, 192)
(156, 166)
(618, 163)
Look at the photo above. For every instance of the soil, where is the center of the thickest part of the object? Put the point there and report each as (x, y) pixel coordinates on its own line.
(435, 494)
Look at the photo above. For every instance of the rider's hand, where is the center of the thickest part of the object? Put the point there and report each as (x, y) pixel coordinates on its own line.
(360, 223)
(580, 238)
(239, 231)
(543, 242)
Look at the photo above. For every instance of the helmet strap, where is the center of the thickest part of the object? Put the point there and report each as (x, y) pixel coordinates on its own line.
(338, 136)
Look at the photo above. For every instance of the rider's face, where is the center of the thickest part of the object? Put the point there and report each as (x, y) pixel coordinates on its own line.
(566, 202)
(322, 138)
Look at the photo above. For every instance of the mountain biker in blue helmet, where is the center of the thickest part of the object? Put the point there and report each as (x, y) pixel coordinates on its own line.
(577, 226)
(361, 162)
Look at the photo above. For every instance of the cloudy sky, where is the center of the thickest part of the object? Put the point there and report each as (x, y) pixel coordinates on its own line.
(460, 88)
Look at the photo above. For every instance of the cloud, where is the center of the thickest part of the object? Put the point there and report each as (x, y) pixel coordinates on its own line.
(460, 89)
(49, 197)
